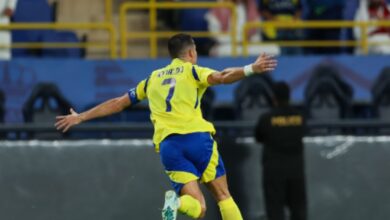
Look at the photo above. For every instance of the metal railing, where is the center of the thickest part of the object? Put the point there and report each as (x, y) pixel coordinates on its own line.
(108, 11)
(153, 34)
(64, 26)
(363, 42)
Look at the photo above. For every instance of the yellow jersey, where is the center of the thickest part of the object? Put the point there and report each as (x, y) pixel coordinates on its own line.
(174, 94)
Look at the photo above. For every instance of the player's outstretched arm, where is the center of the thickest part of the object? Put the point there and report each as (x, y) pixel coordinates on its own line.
(264, 63)
(112, 106)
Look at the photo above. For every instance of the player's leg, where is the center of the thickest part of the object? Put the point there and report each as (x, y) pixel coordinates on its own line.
(227, 206)
(215, 178)
(171, 205)
(192, 202)
(199, 149)
(184, 176)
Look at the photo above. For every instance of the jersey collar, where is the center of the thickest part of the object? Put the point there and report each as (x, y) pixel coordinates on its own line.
(178, 61)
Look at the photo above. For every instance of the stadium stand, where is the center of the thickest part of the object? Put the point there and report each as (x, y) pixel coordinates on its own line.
(43, 105)
(116, 175)
(253, 96)
(327, 96)
(61, 36)
(26, 11)
(93, 11)
(194, 20)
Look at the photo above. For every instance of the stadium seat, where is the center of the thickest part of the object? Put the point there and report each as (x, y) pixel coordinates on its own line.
(253, 96)
(327, 96)
(61, 36)
(33, 11)
(381, 94)
(30, 11)
(43, 105)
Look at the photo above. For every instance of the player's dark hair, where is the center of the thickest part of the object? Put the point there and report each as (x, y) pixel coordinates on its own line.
(281, 93)
(177, 43)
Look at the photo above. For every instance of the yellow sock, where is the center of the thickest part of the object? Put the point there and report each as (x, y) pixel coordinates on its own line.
(229, 210)
(190, 206)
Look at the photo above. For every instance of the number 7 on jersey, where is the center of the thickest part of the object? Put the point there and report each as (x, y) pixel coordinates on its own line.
(172, 83)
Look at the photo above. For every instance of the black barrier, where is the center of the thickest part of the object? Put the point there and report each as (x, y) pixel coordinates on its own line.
(81, 180)
(230, 128)
(347, 179)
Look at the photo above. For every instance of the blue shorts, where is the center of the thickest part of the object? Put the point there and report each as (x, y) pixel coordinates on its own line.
(191, 157)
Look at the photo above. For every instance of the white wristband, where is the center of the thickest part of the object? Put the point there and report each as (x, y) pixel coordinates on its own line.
(248, 70)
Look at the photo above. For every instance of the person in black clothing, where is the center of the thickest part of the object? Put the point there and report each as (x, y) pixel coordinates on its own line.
(281, 131)
(283, 11)
(324, 10)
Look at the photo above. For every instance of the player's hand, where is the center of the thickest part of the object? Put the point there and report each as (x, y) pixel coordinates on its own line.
(64, 122)
(264, 63)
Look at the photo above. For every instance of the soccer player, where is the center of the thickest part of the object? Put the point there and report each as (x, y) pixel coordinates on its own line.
(182, 137)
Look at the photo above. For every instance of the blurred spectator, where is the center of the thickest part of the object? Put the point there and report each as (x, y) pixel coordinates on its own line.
(182, 20)
(195, 20)
(350, 8)
(7, 8)
(167, 19)
(324, 10)
(374, 10)
(281, 131)
(219, 21)
(282, 10)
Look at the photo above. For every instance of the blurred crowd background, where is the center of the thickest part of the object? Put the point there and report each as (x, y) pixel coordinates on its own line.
(56, 54)
(353, 56)
(214, 20)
